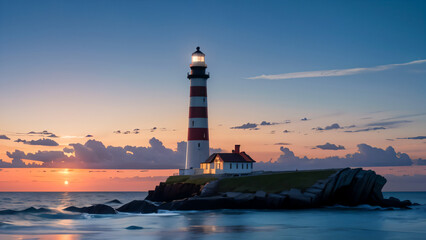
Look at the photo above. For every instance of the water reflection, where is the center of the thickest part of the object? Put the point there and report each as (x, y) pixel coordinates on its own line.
(208, 229)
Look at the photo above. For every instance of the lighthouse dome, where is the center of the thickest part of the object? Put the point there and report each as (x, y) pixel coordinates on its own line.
(198, 58)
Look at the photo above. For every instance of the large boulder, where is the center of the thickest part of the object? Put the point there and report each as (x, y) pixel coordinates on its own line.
(138, 206)
(94, 209)
(169, 192)
(395, 203)
(210, 189)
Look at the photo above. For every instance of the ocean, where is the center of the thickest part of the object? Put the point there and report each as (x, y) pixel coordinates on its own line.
(337, 222)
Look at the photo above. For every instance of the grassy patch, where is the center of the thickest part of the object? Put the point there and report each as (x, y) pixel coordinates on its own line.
(196, 179)
(275, 182)
(177, 179)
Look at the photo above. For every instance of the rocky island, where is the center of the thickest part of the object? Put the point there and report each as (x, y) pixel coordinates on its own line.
(262, 190)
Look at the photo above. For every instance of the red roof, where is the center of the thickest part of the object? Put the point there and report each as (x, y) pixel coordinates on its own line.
(231, 157)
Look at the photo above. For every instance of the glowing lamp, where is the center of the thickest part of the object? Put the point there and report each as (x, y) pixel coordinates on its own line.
(198, 58)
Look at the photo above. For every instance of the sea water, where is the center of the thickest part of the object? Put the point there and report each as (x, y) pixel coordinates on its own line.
(336, 222)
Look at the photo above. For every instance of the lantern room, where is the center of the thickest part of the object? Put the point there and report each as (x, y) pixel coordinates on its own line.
(198, 59)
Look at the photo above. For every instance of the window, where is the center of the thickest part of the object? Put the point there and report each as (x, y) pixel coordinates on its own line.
(237, 165)
(199, 145)
(204, 99)
(230, 166)
(192, 122)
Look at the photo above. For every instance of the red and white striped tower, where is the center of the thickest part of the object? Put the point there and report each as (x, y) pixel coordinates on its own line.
(198, 131)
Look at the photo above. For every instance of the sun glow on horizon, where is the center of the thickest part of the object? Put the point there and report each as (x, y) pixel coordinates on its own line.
(66, 182)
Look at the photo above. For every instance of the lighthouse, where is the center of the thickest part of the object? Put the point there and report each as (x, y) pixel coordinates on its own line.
(198, 131)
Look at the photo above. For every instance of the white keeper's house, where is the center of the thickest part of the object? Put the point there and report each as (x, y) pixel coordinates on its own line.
(234, 163)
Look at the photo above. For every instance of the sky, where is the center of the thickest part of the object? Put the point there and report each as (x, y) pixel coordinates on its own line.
(299, 84)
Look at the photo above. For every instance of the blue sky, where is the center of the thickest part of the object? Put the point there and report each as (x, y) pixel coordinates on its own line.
(79, 67)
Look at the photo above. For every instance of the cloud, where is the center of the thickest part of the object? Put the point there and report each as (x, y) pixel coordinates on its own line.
(405, 116)
(134, 131)
(366, 129)
(265, 123)
(329, 146)
(89, 135)
(287, 131)
(4, 137)
(388, 124)
(68, 150)
(335, 73)
(420, 161)
(45, 132)
(366, 156)
(331, 127)
(254, 126)
(414, 138)
(40, 142)
(52, 136)
(282, 144)
(304, 119)
(95, 155)
(251, 126)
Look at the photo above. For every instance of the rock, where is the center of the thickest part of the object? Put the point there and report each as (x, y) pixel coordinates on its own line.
(201, 203)
(94, 209)
(275, 201)
(314, 190)
(134, 228)
(348, 187)
(376, 195)
(244, 197)
(232, 194)
(210, 189)
(329, 187)
(169, 192)
(296, 199)
(260, 194)
(245, 201)
(114, 201)
(396, 203)
(138, 206)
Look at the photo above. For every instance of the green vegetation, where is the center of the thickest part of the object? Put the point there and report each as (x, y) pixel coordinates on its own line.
(274, 182)
(196, 179)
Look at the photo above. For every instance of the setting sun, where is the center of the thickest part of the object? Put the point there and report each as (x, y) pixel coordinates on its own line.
(66, 182)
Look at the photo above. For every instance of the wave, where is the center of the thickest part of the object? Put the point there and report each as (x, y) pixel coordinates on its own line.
(28, 210)
(163, 213)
